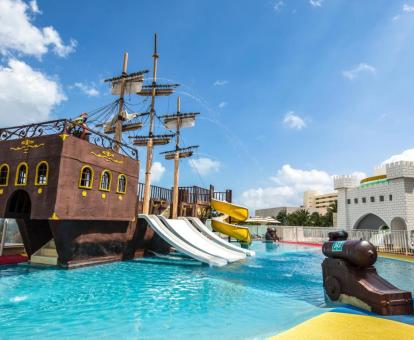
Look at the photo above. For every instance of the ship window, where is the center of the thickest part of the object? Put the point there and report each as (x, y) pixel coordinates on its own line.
(4, 175)
(42, 173)
(86, 178)
(122, 182)
(21, 174)
(105, 180)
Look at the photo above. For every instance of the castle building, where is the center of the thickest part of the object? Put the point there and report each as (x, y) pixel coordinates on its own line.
(383, 201)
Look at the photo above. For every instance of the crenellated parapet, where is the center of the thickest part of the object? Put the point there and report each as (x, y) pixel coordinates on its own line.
(400, 169)
(379, 170)
(345, 181)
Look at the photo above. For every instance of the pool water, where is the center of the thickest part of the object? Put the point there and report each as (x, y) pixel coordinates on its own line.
(266, 294)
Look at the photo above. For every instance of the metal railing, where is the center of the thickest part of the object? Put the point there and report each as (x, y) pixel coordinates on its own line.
(388, 241)
(60, 126)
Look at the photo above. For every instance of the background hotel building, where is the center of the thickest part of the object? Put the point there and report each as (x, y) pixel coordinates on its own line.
(312, 200)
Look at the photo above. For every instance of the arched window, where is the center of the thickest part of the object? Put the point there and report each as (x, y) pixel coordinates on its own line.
(106, 177)
(4, 175)
(122, 183)
(21, 174)
(86, 178)
(42, 173)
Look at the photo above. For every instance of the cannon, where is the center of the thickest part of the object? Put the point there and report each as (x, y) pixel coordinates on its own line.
(349, 276)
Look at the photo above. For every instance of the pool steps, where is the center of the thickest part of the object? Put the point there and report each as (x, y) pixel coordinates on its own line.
(46, 255)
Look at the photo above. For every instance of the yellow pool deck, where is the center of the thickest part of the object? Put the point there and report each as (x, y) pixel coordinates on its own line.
(342, 326)
(405, 258)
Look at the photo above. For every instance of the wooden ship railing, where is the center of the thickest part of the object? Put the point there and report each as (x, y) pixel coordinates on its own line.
(189, 197)
(157, 193)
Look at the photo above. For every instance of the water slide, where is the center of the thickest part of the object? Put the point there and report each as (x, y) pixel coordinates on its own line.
(196, 222)
(188, 233)
(237, 214)
(179, 244)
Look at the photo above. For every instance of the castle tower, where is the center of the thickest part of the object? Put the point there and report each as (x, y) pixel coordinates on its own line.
(342, 184)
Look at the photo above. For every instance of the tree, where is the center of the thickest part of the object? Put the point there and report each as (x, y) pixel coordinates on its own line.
(300, 217)
(333, 207)
(315, 219)
(282, 217)
(328, 217)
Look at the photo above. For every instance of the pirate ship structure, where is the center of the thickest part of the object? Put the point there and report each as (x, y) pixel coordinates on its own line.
(76, 200)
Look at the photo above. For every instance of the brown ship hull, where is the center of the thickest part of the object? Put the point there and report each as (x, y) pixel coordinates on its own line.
(82, 243)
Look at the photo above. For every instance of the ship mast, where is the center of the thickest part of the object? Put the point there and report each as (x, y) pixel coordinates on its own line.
(125, 83)
(178, 120)
(148, 165)
(121, 114)
(153, 90)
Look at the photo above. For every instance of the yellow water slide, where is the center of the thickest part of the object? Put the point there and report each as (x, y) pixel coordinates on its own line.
(237, 214)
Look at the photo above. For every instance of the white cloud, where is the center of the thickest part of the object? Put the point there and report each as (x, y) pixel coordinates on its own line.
(18, 34)
(204, 166)
(220, 82)
(357, 70)
(88, 89)
(222, 105)
(316, 3)
(408, 8)
(278, 5)
(289, 186)
(157, 171)
(293, 121)
(26, 95)
(407, 155)
(313, 179)
(34, 7)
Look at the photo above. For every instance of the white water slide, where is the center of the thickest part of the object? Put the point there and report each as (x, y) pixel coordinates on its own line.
(196, 222)
(179, 244)
(188, 233)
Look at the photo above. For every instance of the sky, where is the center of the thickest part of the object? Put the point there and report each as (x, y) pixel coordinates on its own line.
(290, 93)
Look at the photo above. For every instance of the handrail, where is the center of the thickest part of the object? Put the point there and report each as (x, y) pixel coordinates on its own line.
(60, 126)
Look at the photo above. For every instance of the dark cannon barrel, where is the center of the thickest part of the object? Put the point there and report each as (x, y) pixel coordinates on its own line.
(359, 253)
(341, 235)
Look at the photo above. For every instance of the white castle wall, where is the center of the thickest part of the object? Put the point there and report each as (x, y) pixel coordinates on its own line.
(400, 185)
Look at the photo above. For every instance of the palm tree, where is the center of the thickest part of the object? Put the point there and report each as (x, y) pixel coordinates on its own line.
(315, 219)
(333, 207)
(300, 217)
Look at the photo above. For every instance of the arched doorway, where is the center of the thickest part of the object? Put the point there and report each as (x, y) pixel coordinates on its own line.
(35, 233)
(398, 223)
(371, 222)
(400, 238)
(19, 205)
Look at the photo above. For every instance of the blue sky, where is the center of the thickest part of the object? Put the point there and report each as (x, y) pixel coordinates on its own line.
(290, 92)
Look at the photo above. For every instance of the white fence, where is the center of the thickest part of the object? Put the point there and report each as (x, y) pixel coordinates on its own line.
(395, 241)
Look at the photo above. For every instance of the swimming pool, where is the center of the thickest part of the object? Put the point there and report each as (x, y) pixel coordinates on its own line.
(277, 289)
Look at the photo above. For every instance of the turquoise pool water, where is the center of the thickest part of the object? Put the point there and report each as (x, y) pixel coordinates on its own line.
(277, 289)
